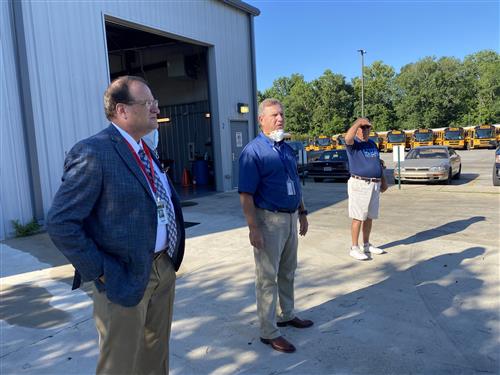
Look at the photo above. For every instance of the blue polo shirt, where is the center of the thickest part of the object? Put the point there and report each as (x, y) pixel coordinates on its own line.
(364, 159)
(264, 170)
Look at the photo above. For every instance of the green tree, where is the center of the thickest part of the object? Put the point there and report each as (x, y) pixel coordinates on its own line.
(482, 71)
(334, 104)
(379, 93)
(431, 93)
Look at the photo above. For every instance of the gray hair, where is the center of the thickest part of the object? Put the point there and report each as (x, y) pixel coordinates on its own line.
(269, 102)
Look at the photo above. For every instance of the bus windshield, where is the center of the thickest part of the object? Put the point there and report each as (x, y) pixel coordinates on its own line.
(324, 141)
(374, 138)
(341, 140)
(484, 133)
(423, 137)
(453, 135)
(396, 138)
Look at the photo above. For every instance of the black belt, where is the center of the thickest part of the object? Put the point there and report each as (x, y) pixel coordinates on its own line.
(366, 178)
(284, 210)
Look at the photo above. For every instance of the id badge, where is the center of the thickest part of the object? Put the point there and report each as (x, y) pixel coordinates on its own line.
(161, 209)
(290, 187)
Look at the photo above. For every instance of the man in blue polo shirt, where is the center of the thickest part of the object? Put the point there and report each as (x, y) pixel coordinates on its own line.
(364, 187)
(271, 199)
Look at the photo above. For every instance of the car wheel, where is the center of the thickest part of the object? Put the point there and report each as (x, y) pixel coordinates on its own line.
(317, 179)
(496, 180)
(450, 176)
(457, 176)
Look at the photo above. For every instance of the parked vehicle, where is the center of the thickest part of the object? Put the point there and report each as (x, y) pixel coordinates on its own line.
(496, 168)
(430, 164)
(331, 164)
(395, 138)
(375, 138)
(321, 143)
(300, 155)
(453, 137)
(421, 137)
(481, 136)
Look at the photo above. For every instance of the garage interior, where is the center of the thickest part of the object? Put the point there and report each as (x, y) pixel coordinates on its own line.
(177, 73)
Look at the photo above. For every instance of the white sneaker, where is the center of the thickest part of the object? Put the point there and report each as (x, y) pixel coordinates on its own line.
(372, 249)
(356, 253)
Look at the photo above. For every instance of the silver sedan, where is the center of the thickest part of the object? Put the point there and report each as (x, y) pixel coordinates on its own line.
(430, 164)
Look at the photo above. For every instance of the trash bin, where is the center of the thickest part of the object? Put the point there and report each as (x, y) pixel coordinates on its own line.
(200, 172)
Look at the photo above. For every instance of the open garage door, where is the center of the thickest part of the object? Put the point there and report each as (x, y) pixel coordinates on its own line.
(178, 76)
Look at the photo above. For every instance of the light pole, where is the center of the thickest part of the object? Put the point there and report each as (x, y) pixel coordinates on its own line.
(362, 52)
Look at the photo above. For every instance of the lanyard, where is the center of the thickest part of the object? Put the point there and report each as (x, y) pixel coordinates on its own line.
(150, 178)
(282, 158)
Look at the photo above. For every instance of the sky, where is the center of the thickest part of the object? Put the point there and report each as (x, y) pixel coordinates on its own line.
(308, 37)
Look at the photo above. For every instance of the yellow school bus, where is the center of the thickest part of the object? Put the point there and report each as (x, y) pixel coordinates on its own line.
(480, 136)
(421, 137)
(395, 138)
(339, 141)
(453, 137)
(322, 143)
(375, 138)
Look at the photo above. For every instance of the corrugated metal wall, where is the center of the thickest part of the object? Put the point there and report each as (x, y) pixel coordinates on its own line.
(67, 63)
(15, 200)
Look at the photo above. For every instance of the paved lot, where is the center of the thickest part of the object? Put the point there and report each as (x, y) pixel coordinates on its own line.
(428, 306)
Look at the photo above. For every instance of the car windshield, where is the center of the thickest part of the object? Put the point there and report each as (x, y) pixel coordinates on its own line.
(396, 138)
(453, 135)
(324, 141)
(333, 155)
(423, 137)
(484, 133)
(427, 153)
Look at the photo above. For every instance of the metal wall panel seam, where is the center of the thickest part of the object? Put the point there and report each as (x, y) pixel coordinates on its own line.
(27, 112)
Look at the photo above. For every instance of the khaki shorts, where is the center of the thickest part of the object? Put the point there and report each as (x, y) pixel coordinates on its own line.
(363, 199)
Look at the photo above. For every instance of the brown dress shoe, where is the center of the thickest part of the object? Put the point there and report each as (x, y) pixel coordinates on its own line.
(280, 344)
(297, 323)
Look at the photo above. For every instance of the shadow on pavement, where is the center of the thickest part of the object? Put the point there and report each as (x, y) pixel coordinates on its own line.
(443, 230)
(419, 320)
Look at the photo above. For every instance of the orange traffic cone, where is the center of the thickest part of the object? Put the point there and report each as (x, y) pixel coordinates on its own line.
(186, 179)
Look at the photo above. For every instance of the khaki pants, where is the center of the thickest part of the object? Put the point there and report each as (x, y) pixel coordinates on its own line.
(275, 269)
(134, 340)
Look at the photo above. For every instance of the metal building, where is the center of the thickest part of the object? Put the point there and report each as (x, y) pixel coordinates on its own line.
(57, 58)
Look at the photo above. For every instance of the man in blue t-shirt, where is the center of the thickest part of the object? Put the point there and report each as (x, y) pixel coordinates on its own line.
(271, 199)
(364, 187)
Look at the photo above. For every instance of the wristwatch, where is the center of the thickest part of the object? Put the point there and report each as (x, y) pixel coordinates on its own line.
(303, 212)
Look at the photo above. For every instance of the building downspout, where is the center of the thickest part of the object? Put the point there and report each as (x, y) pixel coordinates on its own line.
(254, 75)
(27, 116)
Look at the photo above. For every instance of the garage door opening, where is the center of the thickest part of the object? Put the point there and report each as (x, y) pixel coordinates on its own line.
(177, 73)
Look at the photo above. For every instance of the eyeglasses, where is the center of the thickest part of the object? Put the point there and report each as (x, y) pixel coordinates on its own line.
(147, 103)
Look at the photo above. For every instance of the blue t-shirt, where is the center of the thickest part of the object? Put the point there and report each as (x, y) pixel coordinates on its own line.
(265, 167)
(364, 159)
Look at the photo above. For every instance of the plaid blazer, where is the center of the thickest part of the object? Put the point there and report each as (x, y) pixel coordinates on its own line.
(103, 218)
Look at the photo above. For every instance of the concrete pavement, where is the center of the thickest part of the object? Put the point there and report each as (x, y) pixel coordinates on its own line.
(428, 306)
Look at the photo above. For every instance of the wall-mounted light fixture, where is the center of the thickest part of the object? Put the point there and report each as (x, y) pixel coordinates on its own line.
(243, 108)
(207, 115)
(164, 119)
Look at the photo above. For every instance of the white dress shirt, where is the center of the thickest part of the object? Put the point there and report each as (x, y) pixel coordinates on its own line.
(161, 230)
